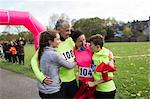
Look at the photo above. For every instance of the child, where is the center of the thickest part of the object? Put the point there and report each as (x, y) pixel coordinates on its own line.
(50, 62)
(104, 89)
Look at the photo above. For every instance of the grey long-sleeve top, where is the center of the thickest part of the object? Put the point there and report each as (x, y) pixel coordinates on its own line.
(49, 64)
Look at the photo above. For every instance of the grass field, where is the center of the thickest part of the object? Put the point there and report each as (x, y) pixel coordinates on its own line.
(132, 77)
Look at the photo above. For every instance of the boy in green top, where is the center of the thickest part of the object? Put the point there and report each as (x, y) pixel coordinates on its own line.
(104, 89)
(65, 48)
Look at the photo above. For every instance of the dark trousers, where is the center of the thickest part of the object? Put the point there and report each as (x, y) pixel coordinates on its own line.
(57, 95)
(69, 89)
(105, 95)
(21, 59)
(5, 56)
(9, 56)
(14, 59)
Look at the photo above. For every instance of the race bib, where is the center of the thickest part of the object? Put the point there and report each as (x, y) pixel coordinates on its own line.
(68, 54)
(85, 72)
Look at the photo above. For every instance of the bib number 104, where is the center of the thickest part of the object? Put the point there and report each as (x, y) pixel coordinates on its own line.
(85, 72)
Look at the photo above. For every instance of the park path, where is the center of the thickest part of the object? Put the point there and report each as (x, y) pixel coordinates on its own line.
(17, 86)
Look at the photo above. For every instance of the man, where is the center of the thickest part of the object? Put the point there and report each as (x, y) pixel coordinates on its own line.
(65, 48)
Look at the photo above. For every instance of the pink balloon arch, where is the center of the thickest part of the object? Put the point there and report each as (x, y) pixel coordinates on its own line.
(8, 17)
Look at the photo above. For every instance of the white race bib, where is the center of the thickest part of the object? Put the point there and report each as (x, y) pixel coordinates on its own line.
(85, 72)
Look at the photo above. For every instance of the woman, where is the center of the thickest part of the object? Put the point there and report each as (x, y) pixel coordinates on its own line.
(65, 48)
(83, 57)
(83, 54)
(50, 62)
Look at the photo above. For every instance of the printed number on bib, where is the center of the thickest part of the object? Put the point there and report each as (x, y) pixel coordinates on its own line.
(67, 55)
(85, 72)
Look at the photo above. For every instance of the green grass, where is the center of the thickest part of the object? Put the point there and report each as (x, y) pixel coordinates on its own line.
(128, 48)
(132, 77)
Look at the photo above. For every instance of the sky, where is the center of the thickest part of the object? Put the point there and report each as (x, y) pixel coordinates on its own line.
(121, 10)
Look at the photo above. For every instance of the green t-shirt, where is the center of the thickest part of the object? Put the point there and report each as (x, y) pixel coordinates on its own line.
(65, 48)
(99, 57)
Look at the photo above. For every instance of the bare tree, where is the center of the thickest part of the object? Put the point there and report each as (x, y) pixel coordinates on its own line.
(64, 16)
(53, 19)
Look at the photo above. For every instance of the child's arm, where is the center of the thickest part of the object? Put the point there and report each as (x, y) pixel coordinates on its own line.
(111, 63)
(35, 67)
(94, 83)
(111, 58)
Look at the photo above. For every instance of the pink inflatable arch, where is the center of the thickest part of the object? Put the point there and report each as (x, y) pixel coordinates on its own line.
(22, 18)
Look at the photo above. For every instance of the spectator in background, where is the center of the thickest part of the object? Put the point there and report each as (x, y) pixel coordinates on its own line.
(7, 54)
(20, 50)
(13, 52)
(1, 52)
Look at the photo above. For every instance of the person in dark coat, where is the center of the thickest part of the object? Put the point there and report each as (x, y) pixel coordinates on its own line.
(20, 50)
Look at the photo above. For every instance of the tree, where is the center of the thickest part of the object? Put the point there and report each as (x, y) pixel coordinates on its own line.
(110, 21)
(64, 16)
(4, 33)
(127, 32)
(91, 26)
(73, 22)
(27, 35)
(53, 19)
(110, 32)
(8, 37)
(9, 34)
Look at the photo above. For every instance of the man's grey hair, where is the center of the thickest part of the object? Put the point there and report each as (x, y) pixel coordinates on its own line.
(60, 23)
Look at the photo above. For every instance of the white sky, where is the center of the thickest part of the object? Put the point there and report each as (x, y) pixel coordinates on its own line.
(122, 10)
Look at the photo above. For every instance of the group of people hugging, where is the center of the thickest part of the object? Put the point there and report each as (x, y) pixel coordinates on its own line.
(65, 61)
